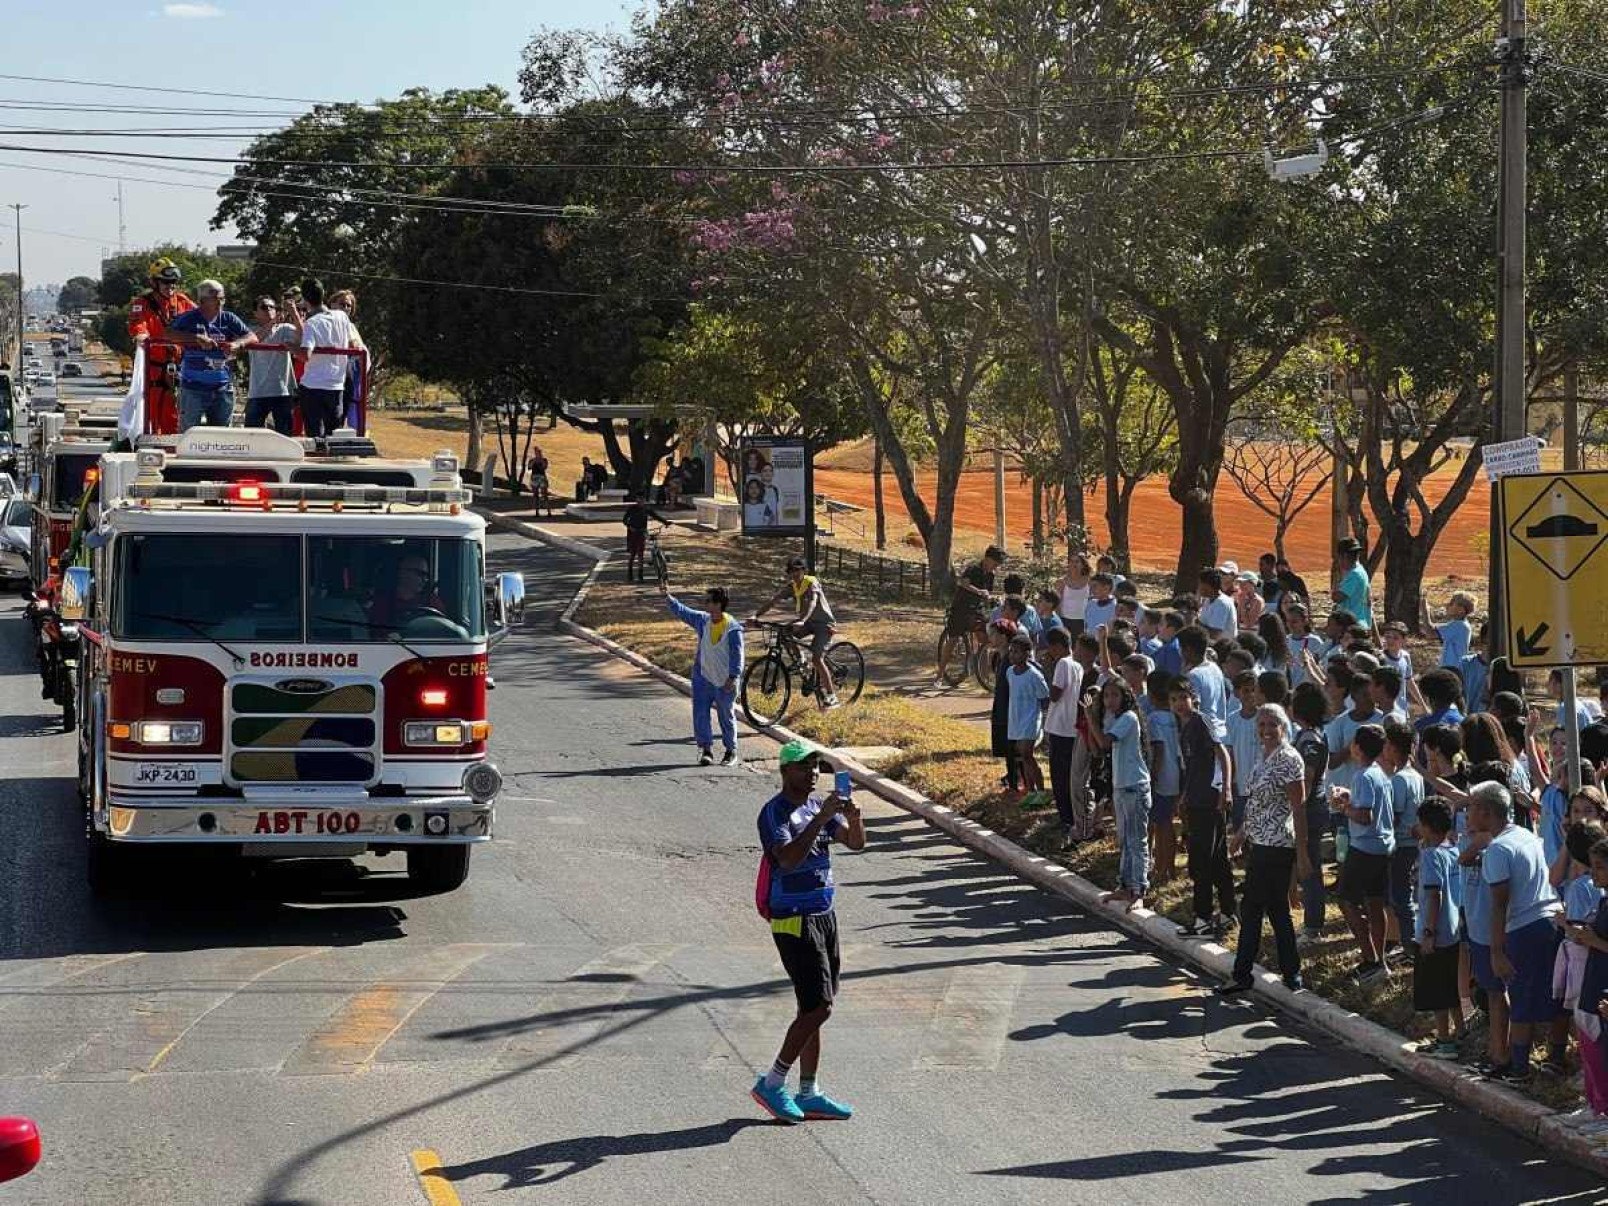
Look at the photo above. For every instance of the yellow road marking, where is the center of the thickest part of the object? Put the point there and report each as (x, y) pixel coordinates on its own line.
(433, 1180)
(353, 1037)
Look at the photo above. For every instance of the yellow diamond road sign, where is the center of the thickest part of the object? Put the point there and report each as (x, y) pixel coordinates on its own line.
(1555, 554)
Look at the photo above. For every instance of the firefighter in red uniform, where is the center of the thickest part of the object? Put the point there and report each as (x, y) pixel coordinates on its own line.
(148, 318)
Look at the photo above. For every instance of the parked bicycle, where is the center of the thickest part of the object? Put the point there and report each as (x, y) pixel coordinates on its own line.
(766, 689)
(658, 559)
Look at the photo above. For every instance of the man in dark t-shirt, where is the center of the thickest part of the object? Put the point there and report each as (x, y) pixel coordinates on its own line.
(1205, 794)
(973, 588)
(796, 831)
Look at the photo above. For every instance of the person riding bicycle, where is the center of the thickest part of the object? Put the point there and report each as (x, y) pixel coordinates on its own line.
(814, 619)
(973, 589)
(637, 515)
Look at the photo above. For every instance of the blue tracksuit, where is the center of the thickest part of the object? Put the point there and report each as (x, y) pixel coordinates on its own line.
(714, 662)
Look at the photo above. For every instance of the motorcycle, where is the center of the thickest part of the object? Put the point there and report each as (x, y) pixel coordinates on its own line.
(59, 651)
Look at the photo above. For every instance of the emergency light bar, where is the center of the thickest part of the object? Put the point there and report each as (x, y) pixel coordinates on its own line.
(263, 495)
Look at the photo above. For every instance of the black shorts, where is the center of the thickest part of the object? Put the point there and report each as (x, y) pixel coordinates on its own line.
(960, 623)
(1364, 876)
(811, 958)
(820, 635)
(1434, 978)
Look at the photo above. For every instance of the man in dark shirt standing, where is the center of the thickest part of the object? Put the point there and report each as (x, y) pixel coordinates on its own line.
(972, 591)
(637, 514)
(796, 829)
(1205, 794)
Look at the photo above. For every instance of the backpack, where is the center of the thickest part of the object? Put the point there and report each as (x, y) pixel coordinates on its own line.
(762, 884)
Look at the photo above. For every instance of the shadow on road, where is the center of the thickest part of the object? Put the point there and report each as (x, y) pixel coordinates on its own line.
(546, 1163)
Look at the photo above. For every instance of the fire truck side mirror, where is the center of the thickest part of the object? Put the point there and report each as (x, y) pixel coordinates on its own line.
(507, 595)
(77, 589)
(33, 486)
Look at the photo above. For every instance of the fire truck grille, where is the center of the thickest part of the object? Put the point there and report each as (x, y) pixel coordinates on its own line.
(315, 732)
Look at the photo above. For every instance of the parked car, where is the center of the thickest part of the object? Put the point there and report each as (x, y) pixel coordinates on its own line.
(16, 539)
(72, 370)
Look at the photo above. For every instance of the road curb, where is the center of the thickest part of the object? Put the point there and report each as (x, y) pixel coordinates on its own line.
(1529, 1119)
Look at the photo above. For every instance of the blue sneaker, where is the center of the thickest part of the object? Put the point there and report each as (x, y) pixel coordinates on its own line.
(821, 1108)
(777, 1102)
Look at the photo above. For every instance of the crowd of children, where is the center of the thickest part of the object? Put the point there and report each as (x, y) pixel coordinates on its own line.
(1439, 798)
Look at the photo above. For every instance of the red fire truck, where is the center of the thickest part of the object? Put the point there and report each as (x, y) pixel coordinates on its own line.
(286, 654)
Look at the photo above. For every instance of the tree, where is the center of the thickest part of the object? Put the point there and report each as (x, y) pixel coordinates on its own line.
(1137, 436)
(79, 293)
(1416, 293)
(746, 375)
(564, 296)
(328, 195)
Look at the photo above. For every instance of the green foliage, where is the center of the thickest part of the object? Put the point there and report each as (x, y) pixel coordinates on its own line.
(126, 276)
(78, 293)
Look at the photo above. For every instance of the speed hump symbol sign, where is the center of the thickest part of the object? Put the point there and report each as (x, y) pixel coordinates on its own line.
(1555, 528)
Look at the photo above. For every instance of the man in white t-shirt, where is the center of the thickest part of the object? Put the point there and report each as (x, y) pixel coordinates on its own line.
(324, 378)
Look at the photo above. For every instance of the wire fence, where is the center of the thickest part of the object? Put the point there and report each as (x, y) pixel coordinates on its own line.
(871, 573)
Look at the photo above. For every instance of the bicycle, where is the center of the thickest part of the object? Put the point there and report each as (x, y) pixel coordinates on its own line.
(767, 684)
(976, 656)
(657, 557)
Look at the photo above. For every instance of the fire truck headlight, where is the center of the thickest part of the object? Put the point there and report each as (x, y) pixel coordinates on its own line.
(435, 732)
(168, 732)
(482, 782)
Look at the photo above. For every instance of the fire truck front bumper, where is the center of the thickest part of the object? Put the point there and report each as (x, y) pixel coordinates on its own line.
(292, 820)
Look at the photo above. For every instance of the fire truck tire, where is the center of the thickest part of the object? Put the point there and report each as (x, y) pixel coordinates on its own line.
(105, 866)
(438, 868)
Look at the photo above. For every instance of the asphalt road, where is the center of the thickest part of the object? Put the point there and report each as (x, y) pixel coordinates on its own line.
(581, 1022)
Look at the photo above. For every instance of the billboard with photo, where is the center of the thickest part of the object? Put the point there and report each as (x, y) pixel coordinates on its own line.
(776, 485)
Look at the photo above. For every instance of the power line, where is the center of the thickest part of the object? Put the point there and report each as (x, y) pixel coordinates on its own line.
(163, 88)
(868, 110)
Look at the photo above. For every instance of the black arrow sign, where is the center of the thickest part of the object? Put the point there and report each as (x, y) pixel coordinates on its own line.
(1530, 644)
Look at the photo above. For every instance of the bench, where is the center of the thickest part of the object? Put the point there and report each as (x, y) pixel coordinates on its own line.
(717, 514)
(836, 508)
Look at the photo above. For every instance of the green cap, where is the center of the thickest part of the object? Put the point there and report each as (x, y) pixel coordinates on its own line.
(797, 751)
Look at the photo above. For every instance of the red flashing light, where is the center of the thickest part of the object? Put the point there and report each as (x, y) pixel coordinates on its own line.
(433, 697)
(248, 492)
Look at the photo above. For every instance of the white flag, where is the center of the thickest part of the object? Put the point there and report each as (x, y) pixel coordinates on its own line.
(131, 424)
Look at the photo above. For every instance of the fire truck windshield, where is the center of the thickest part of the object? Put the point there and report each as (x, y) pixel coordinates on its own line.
(236, 587)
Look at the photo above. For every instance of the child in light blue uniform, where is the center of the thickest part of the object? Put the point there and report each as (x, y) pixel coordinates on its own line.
(1440, 906)
(1116, 727)
(1166, 765)
(1029, 696)
(1243, 743)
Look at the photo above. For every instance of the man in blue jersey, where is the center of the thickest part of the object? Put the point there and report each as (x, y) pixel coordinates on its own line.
(209, 335)
(796, 830)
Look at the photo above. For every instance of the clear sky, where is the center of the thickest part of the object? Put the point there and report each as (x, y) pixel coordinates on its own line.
(351, 50)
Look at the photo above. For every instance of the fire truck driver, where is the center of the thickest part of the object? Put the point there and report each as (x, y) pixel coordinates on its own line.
(148, 317)
(410, 595)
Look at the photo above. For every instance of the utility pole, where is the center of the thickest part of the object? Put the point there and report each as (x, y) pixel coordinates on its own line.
(1508, 401)
(20, 307)
(122, 226)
